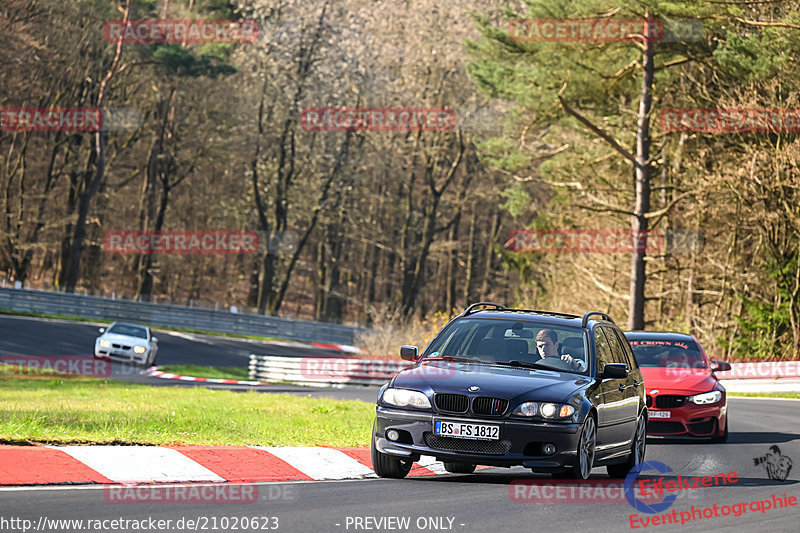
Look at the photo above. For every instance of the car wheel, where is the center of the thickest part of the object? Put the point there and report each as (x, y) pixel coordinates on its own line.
(459, 468)
(388, 466)
(721, 438)
(636, 456)
(584, 459)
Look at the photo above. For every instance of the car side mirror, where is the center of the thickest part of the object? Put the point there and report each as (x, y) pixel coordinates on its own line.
(720, 366)
(154, 339)
(101, 330)
(615, 371)
(409, 353)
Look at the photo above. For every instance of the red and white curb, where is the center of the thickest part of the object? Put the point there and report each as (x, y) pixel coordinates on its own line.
(156, 373)
(34, 465)
(337, 347)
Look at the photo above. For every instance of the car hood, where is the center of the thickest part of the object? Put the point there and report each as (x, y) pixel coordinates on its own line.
(499, 381)
(687, 380)
(113, 337)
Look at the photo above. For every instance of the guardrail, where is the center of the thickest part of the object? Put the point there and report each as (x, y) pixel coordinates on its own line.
(323, 371)
(337, 372)
(34, 301)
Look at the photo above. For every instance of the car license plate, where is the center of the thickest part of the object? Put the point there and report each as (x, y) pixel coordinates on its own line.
(659, 414)
(463, 430)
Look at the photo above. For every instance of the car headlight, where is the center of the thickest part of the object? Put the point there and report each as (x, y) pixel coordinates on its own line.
(547, 410)
(706, 398)
(406, 398)
(104, 343)
(527, 409)
(139, 349)
(556, 410)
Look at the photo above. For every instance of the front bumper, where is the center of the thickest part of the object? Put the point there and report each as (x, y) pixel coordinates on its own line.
(121, 355)
(520, 441)
(689, 420)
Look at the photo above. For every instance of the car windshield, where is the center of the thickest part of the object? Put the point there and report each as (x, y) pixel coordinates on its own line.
(129, 330)
(668, 353)
(511, 343)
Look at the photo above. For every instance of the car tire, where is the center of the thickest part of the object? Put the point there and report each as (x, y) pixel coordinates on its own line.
(388, 466)
(638, 448)
(459, 468)
(719, 439)
(584, 457)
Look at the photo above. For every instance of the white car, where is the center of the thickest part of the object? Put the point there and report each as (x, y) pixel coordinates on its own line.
(129, 343)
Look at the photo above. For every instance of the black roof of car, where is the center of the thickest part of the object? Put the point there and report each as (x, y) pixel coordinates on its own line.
(545, 317)
(658, 335)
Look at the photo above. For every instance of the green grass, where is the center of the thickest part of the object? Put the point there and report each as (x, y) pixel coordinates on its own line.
(151, 326)
(223, 372)
(65, 410)
(795, 395)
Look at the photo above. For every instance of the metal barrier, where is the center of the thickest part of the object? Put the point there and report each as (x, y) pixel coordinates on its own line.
(323, 371)
(333, 372)
(33, 301)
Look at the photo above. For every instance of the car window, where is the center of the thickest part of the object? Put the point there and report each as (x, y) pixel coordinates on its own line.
(491, 339)
(617, 353)
(129, 330)
(668, 353)
(604, 354)
(632, 364)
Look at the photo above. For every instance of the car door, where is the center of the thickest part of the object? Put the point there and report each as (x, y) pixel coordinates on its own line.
(629, 408)
(608, 396)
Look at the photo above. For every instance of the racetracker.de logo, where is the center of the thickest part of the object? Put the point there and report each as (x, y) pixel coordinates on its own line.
(50, 119)
(604, 241)
(181, 494)
(181, 31)
(729, 120)
(585, 30)
(53, 365)
(570, 491)
(180, 242)
(378, 119)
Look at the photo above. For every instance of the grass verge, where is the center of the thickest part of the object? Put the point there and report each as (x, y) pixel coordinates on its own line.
(62, 410)
(222, 372)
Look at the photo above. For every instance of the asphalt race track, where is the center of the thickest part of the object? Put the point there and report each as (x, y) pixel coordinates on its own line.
(36, 336)
(479, 502)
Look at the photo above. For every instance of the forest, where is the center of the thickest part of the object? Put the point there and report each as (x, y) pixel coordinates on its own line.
(391, 155)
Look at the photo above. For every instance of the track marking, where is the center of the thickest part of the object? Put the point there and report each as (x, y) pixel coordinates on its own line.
(139, 464)
(321, 463)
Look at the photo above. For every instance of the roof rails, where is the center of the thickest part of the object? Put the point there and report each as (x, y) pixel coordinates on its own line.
(550, 313)
(498, 307)
(585, 318)
(471, 308)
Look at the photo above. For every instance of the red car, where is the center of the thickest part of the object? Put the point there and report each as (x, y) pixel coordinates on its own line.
(684, 397)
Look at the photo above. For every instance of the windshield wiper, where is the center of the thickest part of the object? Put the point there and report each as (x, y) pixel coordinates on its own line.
(454, 359)
(514, 362)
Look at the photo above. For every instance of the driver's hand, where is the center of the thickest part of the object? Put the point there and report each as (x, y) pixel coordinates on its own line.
(577, 363)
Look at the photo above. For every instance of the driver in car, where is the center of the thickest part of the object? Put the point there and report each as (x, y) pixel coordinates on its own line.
(548, 346)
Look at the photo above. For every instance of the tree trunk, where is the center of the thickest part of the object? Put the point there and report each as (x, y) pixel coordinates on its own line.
(642, 169)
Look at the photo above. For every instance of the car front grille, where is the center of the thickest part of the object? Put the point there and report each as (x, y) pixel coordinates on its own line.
(453, 403)
(649, 401)
(485, 405)
(664, 427)
(120, 346)
(701, 426)
(670, 401)
(488, 447)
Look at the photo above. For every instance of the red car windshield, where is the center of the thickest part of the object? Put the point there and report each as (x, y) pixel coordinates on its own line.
(668, 354)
